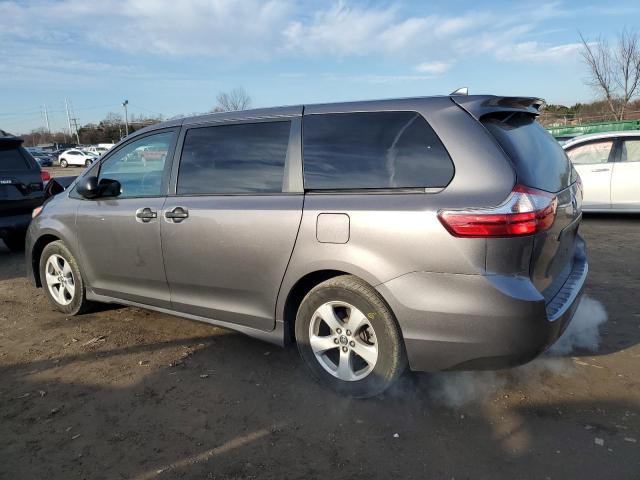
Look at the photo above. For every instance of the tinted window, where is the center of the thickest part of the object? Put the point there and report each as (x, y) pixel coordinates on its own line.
(373, 150)
(538, 158)
(590, 153)
(242, 158)
(11, 159)
(630, 151)
(139, 166)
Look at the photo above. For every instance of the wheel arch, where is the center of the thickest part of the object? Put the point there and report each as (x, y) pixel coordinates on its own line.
(299, 290)
(36, 253)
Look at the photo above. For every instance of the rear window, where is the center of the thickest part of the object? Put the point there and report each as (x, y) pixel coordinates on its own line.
(374, 150)
(539, 160)
(11, 159)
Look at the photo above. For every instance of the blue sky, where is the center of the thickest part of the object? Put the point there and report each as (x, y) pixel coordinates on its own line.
(173, 57)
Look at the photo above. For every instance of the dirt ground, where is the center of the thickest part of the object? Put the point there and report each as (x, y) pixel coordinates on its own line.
(126, 393)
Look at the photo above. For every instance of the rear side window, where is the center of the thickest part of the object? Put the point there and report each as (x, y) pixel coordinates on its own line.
(227, 159)
(374, 150)
(539, 160)
(630, 151)
(11, 159)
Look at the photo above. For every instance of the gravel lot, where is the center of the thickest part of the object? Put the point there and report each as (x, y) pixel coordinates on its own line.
(126, 393)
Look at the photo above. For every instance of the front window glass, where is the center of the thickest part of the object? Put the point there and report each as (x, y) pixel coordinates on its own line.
(139, 166)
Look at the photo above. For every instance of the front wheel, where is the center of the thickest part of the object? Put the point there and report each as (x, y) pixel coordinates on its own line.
(63, 163)
(62, 281)
(87, 163)
(349, 338)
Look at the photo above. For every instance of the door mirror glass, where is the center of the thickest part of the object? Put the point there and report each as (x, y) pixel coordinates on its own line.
(91, 187)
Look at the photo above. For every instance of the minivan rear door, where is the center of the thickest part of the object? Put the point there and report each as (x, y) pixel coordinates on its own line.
(540, 163)
(230, 224)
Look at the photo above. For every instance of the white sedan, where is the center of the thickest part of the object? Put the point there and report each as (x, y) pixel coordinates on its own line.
(609, 166)
(76, 157)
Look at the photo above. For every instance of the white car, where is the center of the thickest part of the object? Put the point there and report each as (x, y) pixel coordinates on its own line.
(76, 157)
(609, 166)
(97, 150)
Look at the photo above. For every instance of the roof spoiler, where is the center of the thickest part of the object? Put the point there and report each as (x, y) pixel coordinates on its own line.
(480, 105)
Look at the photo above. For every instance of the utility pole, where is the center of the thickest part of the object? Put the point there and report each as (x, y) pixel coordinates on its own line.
(126, 117)
(66, 107)
(75, 124)
(46, 119)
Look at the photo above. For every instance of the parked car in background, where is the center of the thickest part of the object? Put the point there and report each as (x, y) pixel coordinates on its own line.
(43, 159)
(609, 166)
(437, 232)
(97, 150)
(76, 157)
(21, 187)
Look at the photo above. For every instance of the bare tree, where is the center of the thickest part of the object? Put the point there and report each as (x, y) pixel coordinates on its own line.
(615, 73)
(236, 99)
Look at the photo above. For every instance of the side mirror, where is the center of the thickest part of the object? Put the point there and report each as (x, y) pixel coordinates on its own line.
(90, 187)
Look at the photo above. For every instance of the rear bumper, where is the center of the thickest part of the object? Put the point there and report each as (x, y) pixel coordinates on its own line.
(469, 322)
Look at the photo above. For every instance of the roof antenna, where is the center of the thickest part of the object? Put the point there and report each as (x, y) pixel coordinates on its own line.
(460, 91)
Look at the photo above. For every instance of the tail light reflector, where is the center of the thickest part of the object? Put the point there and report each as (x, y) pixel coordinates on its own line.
(526, 211)
(45, 176)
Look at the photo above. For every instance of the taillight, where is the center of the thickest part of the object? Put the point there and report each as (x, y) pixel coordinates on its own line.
(45, 176)
(525, 211)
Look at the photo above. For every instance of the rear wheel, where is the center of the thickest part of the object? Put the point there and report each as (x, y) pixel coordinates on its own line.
(15, 241)
(87, 163)
(349, 338)
(62, 281)
(63, 163)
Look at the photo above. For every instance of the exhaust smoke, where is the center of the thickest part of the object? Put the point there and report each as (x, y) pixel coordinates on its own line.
(455, 389)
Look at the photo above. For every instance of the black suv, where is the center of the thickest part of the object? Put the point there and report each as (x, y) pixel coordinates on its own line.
(21, 190)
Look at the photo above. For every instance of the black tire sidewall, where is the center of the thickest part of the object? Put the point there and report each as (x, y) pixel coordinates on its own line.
(383, 323)
(79, 302)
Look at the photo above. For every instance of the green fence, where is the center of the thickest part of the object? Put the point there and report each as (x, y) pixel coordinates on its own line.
(574, 130)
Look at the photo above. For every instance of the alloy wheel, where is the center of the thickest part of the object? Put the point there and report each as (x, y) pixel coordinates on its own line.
(343, 341)
(60, 280)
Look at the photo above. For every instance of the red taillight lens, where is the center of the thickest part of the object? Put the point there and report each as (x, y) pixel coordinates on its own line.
(45, 176)
(526, 211)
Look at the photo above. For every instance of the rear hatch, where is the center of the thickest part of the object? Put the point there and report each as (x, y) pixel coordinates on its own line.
(21, 186)
(540, 163)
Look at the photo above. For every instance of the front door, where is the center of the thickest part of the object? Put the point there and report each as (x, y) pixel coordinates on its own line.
(119, 237)
(625, 180)
(594, 162)
(228, 233)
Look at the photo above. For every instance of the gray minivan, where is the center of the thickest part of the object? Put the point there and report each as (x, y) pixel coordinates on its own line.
(438, 232)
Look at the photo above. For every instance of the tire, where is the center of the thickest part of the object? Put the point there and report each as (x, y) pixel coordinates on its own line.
(87, 163)
(332, 351)
(69, 295)
(15, 241)
(63, 163)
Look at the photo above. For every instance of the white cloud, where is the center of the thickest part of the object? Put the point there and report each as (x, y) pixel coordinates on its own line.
(253, 29)
(435, 68)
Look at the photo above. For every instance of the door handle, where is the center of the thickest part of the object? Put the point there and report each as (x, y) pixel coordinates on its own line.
(146, 214)
(600, 170)
(178, 214)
